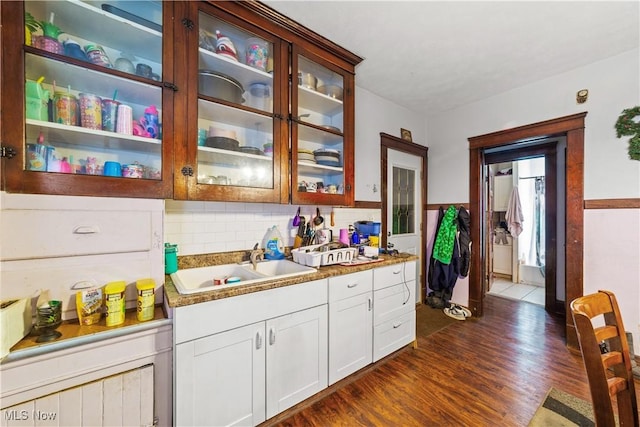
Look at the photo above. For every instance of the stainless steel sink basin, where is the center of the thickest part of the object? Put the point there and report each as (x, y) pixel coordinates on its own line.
(194, 280)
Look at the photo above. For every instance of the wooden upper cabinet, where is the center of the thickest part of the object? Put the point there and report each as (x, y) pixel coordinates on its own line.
(86, 57)
(250, 105)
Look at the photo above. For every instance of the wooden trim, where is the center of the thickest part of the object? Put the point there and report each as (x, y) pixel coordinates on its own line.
(612, 204)
(293, 27)
(573, 128)
(546, 129)
(393, 142)
(367, 205)
(436, 206)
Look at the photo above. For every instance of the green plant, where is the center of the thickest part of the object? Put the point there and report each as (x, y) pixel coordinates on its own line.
(626, 125)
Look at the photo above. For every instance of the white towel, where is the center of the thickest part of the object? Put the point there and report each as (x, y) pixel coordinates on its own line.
(514, 215)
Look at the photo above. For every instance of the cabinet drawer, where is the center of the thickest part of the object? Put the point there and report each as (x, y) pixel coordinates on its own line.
(394, 274)
(30, 234)
(393, 335)
(346, 286)
(393, 301)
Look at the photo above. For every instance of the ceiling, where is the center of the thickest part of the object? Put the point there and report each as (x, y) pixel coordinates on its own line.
(432, 56)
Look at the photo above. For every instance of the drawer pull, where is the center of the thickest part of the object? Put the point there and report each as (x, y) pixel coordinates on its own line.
(397, 272)
(352, 285)
(86, 229)
(397, 325)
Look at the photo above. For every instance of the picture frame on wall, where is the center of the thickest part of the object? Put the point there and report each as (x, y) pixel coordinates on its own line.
(405, 134)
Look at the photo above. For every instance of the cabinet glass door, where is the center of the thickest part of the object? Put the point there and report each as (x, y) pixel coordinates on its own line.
(235, 122)
(93, 97)
(318, 154)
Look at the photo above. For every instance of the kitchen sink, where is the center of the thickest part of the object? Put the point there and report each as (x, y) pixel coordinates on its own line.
(201, 279)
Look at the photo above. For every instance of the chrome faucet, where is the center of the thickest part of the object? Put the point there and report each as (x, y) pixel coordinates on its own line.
(256, 255)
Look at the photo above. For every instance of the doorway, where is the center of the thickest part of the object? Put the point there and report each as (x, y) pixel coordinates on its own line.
(404, 193)
(528, 180)
(572, 128)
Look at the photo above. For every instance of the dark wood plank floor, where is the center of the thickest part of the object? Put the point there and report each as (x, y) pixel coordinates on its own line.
(490, 371)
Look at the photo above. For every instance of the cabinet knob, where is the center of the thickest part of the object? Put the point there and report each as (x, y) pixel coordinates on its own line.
(258, 340)
(272, 336)
(187, 171)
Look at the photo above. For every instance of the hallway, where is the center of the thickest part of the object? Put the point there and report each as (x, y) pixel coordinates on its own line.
(517, 291)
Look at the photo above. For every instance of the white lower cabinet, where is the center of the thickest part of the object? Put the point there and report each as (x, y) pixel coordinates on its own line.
(248, 373)
(221, 378)
(394, 313)
(296, 358)
(350, 323)
(242, 360)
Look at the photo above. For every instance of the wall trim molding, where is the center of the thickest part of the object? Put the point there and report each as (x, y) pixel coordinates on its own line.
(436, 206)
(367, 205)
(612, 204)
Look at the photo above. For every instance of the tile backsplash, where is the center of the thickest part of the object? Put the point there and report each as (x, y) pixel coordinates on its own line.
(209, 227)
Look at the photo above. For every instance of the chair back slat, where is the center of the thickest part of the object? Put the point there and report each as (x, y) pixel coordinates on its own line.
(609, 374)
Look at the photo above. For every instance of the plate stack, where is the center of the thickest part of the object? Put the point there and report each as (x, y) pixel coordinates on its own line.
(327, 157)
(306, 156)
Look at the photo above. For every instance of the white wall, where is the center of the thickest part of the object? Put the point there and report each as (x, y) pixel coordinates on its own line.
(611, 242)
(613, 86)
(374, 115)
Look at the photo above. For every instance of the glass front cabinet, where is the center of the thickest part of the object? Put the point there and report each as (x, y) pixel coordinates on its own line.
(87, 98)
(191, 100)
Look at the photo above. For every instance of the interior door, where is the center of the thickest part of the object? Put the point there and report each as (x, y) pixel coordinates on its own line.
(404, 203)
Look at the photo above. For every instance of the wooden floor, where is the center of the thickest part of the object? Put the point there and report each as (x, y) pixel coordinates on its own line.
(492, 371)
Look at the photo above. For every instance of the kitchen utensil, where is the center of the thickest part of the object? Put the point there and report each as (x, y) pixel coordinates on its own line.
(333, 223)
(124, 65)
(222, 143)
(307, 80)
(302, 226)
(144, 70)
(318, 220)
(112, 169)
(224, 46)
(333, 91)
(296, 219)
(218, 85)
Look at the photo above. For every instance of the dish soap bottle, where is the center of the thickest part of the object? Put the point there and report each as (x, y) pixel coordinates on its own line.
(273, 244)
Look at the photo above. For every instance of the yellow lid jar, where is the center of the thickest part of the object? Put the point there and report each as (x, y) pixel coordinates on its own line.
(146, 299)
(114, 300)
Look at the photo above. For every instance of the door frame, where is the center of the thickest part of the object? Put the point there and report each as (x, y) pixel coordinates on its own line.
(573, 128)
(392, 142)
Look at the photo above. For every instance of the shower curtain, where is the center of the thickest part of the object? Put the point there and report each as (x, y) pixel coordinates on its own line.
(532, 193)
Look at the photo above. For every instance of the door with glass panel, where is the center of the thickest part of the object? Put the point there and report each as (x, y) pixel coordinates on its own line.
(322, 129)
(404, 205)
(235, 127)
(89, 93)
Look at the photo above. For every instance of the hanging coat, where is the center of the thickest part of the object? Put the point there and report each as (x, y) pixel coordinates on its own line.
(464, 242)
(445, 239)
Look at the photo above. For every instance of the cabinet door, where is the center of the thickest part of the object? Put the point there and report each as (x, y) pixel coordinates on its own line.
(502, 257)
(220, 378)
(350, 335)
(235, 134)
(89, 98)
(502, 186)
(322, 131)
(296, 358)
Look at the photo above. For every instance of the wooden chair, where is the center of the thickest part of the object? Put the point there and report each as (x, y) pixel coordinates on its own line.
(609, 373)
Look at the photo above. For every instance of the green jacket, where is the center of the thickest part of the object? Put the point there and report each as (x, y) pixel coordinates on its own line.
(446, 237)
